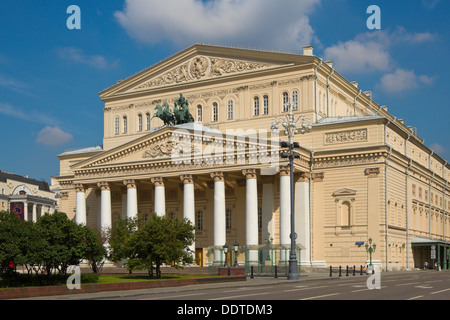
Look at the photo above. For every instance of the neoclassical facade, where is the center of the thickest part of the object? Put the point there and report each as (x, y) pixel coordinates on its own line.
(362, 172)
(28, 198)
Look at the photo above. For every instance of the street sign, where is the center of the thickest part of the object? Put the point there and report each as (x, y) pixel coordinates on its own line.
(433, 252)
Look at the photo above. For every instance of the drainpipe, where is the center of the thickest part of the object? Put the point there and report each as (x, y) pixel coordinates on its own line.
(445, 191)
(317, 77)
(328, 91)
(356, 98)
(407, 201)
(430, 198)
(310, 206)
(386, 177)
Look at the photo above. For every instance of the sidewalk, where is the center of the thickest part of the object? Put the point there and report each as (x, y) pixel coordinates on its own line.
(236, 283)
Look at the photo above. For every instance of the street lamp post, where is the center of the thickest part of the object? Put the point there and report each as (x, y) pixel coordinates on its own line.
(291, 125)
(370, 249)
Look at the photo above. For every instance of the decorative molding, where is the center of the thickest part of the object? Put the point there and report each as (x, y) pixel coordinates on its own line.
(187, 179)
(318, 176)
(199, 68)
(218, 176)
(347, 160)
(79, 187)
(349, 136)
(157, 181)
(249, 173)
(372, 172)
(104, 186)
(285, 171)
(130, 183)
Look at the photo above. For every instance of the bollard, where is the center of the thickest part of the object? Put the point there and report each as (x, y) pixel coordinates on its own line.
(340, 271)
(346, 271)
(331, 271)
(229, 271)
(251, 272)
(360, 271)
(354, 270)
(276, 271)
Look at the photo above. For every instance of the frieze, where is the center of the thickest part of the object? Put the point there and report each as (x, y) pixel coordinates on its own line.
(350, 136)
(348, 160)
(199, 68)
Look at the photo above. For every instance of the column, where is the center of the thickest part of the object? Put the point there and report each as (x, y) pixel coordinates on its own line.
(189, 203)
(132, 205)
(374, 208)
(34, 216)
(285, 214)
(25, 211)
(105, 212)
(251, 215)
(302, 217)
(219, 215)
(80, 213)
(160, 196)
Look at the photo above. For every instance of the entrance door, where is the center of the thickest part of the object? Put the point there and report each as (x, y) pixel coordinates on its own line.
(199, 256)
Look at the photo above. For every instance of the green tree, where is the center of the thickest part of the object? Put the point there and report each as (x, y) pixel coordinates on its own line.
(163, 241)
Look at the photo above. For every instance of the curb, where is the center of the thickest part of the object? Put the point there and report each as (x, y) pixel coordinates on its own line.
(30, 292)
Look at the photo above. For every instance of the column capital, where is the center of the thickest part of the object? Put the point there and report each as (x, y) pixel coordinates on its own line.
(318, 176)
(249, 173)
(157, 181)
(79, 187)
(285, 171)
(130, 183)
(218, 176)
(372, 172)
(104, 186)
(187, 179)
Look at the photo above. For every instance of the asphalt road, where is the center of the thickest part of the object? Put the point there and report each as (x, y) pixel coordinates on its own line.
(417, 285)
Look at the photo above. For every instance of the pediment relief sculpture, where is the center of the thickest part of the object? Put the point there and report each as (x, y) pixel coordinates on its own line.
(198, 68)
(170, 149)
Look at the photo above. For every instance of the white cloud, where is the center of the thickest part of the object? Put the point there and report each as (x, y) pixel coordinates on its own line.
(30, 115)
(77, 55)
(53, 136)
(401, 80)
(13, 84)
(262, 23)
(437, 148)
(370, 51)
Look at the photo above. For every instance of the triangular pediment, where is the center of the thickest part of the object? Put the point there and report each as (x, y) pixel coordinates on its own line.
(345, 192)
(202, 62)
(172, 145)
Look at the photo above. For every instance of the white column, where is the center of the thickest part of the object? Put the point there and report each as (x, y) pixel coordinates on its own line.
(25, 211)
(105, 213)
(302, 218)
(80, 213)
(251, 215)
(160, 196)
(285, 213)
(219, 214)
(34, 217)
(189, 203)
(132, 204)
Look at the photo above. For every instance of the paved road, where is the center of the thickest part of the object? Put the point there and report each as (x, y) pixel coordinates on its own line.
(421, 285)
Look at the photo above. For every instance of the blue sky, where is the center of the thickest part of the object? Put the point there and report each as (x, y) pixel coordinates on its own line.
(50, 76)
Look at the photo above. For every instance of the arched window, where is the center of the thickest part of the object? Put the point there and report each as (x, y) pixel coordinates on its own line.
(199, 113)
(295, 100)
(117, 125)
(266, 105)
(256, 106)
(125, 124)
(345, 214)
(148, 120)
(215, 112)
(230, 109)
(140, 122)
(285, 102)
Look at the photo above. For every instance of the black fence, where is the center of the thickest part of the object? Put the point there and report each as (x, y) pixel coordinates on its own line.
(349, 271)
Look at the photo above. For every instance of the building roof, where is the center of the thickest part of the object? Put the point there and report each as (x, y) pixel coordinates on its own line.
(82, 150)
(42, 185)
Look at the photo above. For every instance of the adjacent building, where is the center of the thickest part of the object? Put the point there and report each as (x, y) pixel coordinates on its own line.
(362, 173)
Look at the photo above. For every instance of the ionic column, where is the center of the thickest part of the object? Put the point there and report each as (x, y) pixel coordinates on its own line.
(251, 214)
(80, 213)
(189, 202)
(25, 211)
(219, 214)
(160, 196)
(132, 205)
(105, 212)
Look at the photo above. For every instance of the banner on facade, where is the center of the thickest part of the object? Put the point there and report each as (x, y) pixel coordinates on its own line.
(18, 209)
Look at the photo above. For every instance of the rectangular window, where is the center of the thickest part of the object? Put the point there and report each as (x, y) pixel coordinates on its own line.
(230, 110)
(266, 105)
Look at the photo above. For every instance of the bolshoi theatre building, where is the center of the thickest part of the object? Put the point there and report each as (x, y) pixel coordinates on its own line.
(362, 172)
